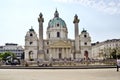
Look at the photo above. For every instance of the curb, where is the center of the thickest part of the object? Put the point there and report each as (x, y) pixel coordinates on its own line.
(57, 67)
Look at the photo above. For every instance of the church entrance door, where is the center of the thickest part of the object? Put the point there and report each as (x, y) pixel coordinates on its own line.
(31, 56)
(60, 56)
(86, 55)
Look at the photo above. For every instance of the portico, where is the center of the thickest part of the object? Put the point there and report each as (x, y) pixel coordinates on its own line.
(60, 50)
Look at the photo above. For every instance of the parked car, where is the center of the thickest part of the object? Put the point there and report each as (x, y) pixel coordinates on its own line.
(13, 62)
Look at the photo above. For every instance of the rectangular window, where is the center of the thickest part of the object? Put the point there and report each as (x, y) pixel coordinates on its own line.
(58, 34)
(47, 51)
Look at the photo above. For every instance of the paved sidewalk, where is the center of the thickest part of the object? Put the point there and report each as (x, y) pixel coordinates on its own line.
(59, 74)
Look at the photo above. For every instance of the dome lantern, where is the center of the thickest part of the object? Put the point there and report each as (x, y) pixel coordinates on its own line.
(56, 14)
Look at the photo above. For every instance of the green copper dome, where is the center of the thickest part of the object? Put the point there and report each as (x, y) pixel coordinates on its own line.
(56, 21)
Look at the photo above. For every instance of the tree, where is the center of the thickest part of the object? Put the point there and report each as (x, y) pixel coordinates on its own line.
(0, 56)
(115, 53)
(6, 55)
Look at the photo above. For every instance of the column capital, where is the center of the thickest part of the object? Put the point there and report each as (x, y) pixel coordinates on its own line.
(40, 19)
(76, 20)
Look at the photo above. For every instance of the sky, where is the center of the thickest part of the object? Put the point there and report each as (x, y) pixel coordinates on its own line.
(101, 18)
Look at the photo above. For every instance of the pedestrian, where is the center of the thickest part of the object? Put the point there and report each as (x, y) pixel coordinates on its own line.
(118, 64)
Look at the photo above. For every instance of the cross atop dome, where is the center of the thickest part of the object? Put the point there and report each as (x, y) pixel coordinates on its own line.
(56, 14)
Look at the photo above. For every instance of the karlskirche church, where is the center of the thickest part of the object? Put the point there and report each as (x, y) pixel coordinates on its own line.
(57, 46)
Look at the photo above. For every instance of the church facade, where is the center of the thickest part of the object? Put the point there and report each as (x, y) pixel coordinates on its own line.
(57, 46)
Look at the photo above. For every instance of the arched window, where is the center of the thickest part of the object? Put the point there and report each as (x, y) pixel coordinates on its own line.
(31, 43)
(57, 25)
(31, 34)
(85, 43)
(58, 34)
(85, 35)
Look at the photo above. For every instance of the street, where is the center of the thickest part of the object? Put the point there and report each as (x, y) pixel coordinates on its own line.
(59, 74)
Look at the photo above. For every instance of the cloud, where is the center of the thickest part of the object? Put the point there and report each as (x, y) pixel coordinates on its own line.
(107, 6)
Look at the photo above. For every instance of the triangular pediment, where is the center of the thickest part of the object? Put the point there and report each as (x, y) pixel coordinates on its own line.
(60, 44)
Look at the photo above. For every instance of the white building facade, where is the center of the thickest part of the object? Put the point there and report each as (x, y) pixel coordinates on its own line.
(100, 50)
(57, 46)
(14, 48)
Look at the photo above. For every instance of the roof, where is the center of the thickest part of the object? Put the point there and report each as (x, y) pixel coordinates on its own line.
(84, 31)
